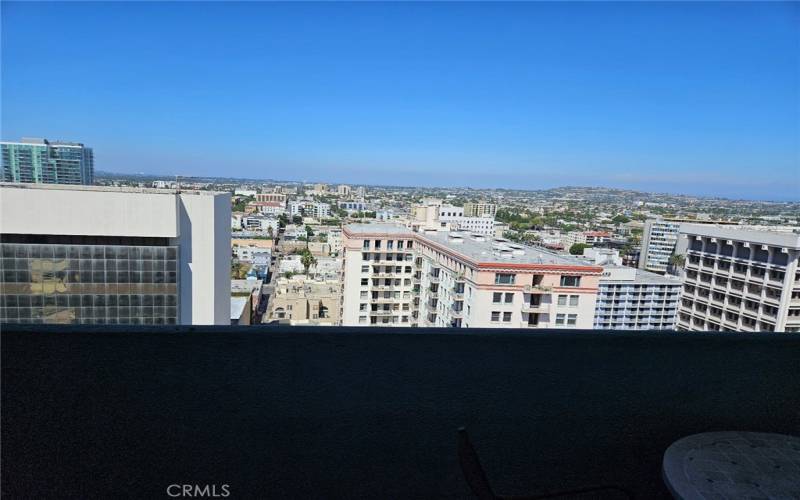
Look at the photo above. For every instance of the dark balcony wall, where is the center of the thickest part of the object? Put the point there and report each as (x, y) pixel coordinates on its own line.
(371, 413)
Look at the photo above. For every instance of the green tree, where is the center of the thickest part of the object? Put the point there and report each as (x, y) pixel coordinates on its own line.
(620, 219)
(677, 260)
(283, 219)
(577, 248)
(307, 260)
(309, 234)
(297, 219)
(271, 232)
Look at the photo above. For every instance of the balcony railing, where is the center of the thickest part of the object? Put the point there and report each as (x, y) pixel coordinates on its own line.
(537, 289)
(305, 412)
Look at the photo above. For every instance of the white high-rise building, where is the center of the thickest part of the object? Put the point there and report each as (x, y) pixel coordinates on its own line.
(742, 279)
(658, 243)
(98, 255)
(633, 299)
(394, 276)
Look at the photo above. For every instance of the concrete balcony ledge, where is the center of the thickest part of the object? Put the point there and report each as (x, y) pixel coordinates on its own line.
(305, 412)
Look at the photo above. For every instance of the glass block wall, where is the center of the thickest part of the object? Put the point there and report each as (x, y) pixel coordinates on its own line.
(88, 284)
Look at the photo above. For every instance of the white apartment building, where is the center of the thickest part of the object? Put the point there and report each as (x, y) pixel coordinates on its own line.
(633, 299)
(343, 190)
(272, 208)
(249, 253)
(397, 277)
(259, 223)
(114, 255)
(449, 212)
(658, 243)
(306, 208)
(432, 215)
(477, 225)
(742, 279)
(353, 206)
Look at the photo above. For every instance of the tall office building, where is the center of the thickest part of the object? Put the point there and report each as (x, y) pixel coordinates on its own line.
(741, 279)
(480, 210)
(633, 299)
(397, 277)
(113, 255)
(47, 162)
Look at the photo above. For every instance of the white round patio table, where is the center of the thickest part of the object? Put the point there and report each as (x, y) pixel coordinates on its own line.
(733, 465)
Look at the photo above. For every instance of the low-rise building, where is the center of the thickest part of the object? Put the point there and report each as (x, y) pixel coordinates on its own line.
(302, 301)
(259, 223)
(245, 298)
(267, 208)
(278, 198)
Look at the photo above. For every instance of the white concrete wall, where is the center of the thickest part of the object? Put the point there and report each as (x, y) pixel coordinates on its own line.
(63, 210)
(205, 243)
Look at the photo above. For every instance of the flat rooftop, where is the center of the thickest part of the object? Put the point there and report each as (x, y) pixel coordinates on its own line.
(640, 277)
(783, 236)
(499, 250)
(475, 247)
(107, 189)
(380, 228)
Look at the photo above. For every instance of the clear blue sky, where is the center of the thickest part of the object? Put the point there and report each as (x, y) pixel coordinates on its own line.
(680, 97)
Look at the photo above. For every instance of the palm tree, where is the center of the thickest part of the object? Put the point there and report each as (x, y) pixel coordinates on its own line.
(309, 234)
(677, 260)
(307, 260)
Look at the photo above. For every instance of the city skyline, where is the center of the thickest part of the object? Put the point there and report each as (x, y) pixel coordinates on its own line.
(172, 177)
(680, 98)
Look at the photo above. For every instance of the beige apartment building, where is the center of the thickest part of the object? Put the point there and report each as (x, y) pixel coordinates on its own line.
(271, 198)
(397, 277)
(303, 301)
(480, 210)
(739, 278)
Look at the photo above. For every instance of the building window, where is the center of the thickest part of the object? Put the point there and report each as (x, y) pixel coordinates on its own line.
(364, 294)
(507, 316)
(560, 319)
(562, 300)
(509, 298)
(573, 300)
(390, 245)
(377, 244)
(570, 281)
(364, 281)
(497, 297)
(495, 315)
(572, 319)
(362, 307)
(365, 269)
(366, 245)
(504, 279)
(365, 255)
